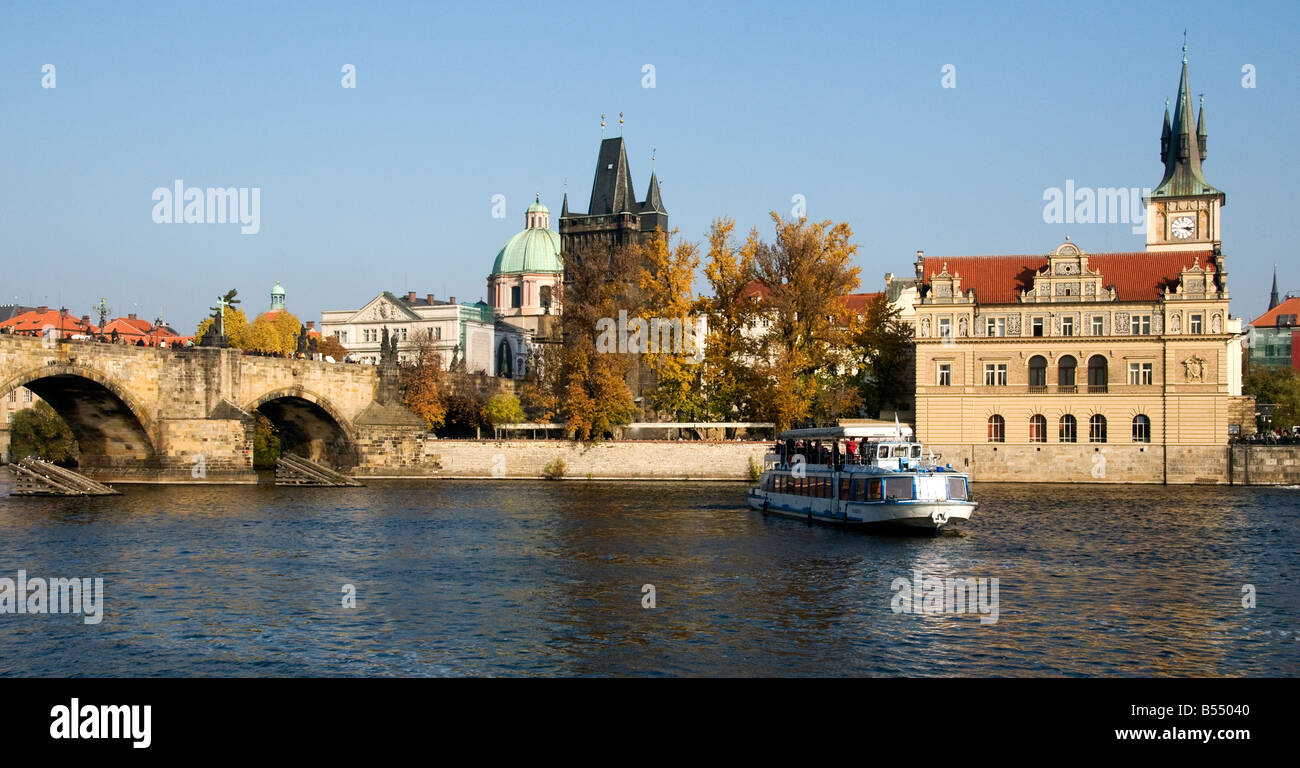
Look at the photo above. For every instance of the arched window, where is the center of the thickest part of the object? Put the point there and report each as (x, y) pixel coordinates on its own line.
(1141, 429)
(1038, 372)
(1038, 428)
(1097, 428)
(1069, 429)
(997, 429)
(546, 296)
(505, 360)
(1098, 373)
(1065, 371)
(515, 297)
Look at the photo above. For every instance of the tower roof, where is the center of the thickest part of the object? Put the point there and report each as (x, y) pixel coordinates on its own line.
(611, 191)
(1182, 150)
(532, 250)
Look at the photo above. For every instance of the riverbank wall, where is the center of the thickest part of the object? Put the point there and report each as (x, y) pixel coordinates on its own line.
(402, 455)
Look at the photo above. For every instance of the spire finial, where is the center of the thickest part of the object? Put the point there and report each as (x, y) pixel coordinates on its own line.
(652, 159)
(537, 196)
(620, 123)
(1201, 96)
(602, 125)
(1184, 45)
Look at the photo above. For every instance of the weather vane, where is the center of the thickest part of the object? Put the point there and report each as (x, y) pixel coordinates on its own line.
(602, 125)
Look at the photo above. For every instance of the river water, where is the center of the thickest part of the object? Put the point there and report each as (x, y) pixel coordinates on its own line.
(546, 578)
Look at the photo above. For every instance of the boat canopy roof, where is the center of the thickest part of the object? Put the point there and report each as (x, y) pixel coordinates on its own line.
(873, 430)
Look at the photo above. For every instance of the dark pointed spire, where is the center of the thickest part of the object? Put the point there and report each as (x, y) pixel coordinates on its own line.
(564, 210)
(1165, 133)
(1272, 298)
(1183, 153)
(611, 191)
(1200, 128)
(653, 202)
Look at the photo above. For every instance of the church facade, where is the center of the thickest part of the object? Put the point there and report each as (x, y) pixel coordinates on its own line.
(1103, 367)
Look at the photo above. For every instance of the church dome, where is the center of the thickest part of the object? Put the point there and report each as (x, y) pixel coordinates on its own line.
(534, 249)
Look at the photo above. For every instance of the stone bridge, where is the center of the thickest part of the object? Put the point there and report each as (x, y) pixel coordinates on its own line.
(142, 414)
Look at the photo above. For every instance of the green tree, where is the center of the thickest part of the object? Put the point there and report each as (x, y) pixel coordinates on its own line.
(1279, 387)
(504, 408)
(882, 343)
(266, 442)
(40, 431)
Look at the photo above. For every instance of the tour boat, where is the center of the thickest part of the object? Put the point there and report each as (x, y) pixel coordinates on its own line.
(882, 480)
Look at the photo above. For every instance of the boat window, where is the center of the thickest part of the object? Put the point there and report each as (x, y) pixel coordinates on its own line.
(900, 452)
(916, 451)
(844, 488)
(873, 489)
(898, 487)
(825, 488)
(957, 488)
(882, 452)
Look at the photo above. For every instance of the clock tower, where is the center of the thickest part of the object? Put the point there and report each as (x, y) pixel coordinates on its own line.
(1183, 211)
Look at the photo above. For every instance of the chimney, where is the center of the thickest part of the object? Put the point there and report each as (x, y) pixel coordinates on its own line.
(311, 325)
(130, 316)
(42, 309)
(429, 298)
(85, 319)
(451, 300)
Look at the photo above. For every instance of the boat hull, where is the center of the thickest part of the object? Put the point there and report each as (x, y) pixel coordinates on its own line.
(915, 515)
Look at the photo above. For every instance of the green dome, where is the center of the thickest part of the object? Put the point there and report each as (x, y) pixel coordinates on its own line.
(537, 207)
(276, 290)
(532, 250)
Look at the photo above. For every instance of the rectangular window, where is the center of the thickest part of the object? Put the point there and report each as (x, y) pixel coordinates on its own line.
(1098, 325)
(945, 328)
(1195, 325)
(1038, 326)
(514, 297)
(1140, 325)
(27, 395)
(1140, 374)
(873, 490)
(945, 374)
(995, 374)
(1067, 326)
(343, 337)
(13, 396)
(957, 488)
(844, 488)
(898, 487)
(997, 326)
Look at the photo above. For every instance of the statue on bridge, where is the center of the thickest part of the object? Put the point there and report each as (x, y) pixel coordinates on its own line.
(216, 335)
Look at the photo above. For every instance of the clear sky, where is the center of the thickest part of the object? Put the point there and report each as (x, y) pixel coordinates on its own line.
(390, 185)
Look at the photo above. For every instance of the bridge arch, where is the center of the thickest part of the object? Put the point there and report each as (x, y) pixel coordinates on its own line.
(114, 432)
(310, 426)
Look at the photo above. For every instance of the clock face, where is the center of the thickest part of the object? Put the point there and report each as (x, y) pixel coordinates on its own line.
(1183, 227)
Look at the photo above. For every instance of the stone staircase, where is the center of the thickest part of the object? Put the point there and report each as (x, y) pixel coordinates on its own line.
(34, 477)
(295, 470)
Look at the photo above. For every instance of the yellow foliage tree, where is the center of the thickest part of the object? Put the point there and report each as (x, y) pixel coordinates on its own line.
(667, 274)
(237, 328)
(424, 387)
(274, 333)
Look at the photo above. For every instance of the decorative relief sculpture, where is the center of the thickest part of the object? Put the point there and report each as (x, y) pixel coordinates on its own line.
(1121, 323)
(925, 327)
(1216, 323)
(963, 327)
(1175, 323)
(1194, 368)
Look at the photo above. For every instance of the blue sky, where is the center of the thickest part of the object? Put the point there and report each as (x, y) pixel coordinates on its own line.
(389, 186)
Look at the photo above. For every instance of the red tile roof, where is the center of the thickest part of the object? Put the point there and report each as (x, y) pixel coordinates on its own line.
(857, 302)
(1135, 275)
(39, 319)
(1269, 319)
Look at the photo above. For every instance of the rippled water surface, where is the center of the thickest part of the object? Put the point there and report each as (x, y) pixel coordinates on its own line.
(538, 578)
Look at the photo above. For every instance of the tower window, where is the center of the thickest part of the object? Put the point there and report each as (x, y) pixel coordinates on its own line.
(514, 297)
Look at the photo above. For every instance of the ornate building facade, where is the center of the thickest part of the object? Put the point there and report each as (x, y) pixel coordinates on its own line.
(1107, 367)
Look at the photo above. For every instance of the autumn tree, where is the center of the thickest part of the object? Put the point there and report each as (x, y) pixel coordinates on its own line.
(806, 272)
(423, 384)
(274, 333)
(503, 408)
(330, 346)
(666, 295)
(237, 328)
(591, 389)
(727, 374)
(540, 387)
